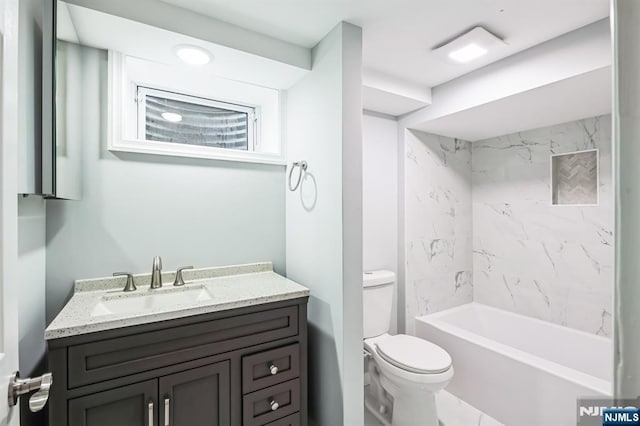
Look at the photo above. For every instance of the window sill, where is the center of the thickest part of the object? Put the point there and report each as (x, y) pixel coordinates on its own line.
(181, 150)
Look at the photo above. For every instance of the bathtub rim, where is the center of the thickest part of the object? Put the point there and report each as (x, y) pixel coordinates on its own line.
(593, 383)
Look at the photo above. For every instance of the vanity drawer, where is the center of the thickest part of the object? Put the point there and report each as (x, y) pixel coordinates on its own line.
(292, 420)
(108, 359)
(258, 407)
(270, 367)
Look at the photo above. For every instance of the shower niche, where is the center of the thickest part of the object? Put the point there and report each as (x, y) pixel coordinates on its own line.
(574, 178)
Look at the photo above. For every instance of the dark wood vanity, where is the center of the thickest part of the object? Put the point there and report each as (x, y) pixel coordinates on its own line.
(240, 367)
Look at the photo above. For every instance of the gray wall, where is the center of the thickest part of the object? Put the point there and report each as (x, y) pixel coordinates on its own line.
(189, 211)
(31, 297)
(31, 266)
(324, 222)
(380, 197)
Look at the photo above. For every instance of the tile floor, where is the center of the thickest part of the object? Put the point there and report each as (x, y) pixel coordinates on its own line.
(452, 412)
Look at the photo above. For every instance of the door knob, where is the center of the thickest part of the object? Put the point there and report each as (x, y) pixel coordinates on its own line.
(19, 387)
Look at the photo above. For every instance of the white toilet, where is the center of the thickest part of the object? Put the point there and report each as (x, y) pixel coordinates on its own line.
(404, 372)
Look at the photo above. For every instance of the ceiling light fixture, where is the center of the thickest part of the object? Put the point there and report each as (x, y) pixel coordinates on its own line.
(172, 117)
(193, 55)
(468, 53)
(469, 46)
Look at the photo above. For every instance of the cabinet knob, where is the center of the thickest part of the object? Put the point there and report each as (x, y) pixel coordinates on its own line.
(273, 369)
(274, 405)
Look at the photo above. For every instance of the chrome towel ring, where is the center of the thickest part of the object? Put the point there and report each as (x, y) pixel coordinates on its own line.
(303, 169)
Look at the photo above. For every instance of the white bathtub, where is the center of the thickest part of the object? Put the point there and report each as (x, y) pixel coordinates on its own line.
(519, 370)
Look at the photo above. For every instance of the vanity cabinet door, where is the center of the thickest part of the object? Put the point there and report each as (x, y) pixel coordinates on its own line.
(197, 397)
(132, 405)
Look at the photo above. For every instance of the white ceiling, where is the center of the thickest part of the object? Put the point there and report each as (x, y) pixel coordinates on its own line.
(389, 103)
(105, 31)
(582, 96)
(398, 35)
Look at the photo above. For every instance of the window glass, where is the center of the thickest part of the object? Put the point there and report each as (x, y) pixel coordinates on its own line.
(183, 119)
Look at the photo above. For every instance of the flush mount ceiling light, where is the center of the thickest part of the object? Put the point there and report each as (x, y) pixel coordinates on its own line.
(193, 55)
(471, 45)
(468, 53)
(171, 116)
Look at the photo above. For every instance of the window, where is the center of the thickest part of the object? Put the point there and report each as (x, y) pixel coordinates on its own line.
(180, 111)
(165, 116)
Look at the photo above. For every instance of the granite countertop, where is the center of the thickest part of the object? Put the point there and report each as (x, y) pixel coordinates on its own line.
(223, 288)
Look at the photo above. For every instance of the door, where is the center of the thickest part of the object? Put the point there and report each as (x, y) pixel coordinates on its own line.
(198, 397)
(8, 204)
(132, 405)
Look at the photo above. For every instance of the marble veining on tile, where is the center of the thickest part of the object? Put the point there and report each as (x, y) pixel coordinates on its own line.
(439, 223)
(551, 262)
(480, 225)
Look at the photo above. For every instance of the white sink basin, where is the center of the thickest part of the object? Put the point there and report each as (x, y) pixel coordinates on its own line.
(149, 300)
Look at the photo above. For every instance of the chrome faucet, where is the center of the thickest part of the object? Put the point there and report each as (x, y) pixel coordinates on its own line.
(156, 273)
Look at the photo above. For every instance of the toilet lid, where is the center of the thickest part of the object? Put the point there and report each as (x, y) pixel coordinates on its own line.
(413, 354)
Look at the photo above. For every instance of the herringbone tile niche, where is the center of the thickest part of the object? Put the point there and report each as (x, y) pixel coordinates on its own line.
(574, 178)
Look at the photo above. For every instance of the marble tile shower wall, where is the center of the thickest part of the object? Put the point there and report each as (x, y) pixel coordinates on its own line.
(438, 224)
(554, 263)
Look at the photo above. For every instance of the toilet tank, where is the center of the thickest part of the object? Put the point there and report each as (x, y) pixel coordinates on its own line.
(377, 301)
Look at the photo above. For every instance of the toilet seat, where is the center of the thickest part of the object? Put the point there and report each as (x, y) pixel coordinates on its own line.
(409, 370)
(413, 354)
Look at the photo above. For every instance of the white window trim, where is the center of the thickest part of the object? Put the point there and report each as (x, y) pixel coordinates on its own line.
(119, 93)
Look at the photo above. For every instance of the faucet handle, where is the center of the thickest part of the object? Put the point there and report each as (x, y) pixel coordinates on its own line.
(179, 280)
(131, 285)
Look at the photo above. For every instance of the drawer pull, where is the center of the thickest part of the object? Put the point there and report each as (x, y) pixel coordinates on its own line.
(167, 412)
(273, 369)
(274, 405)
(150, 413)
